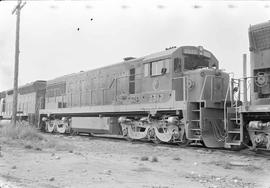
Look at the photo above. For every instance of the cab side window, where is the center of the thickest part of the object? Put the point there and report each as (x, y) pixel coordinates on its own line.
(3, 103)
(177, 65)
(159, 67)
(146, 69)
(155, 68)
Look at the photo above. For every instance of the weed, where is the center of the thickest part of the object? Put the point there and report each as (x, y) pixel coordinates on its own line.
(31, 139)
(28, 146)
(38, 149)
(154, 159)
(144, 158)
(177, 159)
(25, 132)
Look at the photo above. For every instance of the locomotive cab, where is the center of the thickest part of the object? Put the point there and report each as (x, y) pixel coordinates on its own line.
(199, 90)
(199, 58)
(203, 79)
(205, 92)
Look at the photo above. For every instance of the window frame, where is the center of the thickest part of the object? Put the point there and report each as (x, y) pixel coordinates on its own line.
(180, 68)
(158, 66)
(196, 58)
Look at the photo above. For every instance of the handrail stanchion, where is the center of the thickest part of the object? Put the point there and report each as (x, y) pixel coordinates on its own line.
(225, 105)
(245, 80)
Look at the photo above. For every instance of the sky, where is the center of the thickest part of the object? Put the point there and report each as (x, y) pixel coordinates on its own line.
(59, 37)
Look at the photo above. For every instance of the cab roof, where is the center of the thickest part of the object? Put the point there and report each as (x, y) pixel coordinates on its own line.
(259, 26)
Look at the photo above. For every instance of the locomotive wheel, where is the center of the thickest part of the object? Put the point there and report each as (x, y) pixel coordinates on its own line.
(125, 134)
(61, 128)
(43, 126)
(50, 126)
(125, 131)
(165, 134)
(151, 134)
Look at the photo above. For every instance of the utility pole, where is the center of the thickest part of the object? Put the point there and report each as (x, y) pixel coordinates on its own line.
(17, 9)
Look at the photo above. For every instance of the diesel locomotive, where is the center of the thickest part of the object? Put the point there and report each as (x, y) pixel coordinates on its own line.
(178, 96)
(254, 114)
(30, 101)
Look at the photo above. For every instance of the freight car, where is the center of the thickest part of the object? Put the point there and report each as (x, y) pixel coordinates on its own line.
(30, 100)
(254, 116)
(177, 95)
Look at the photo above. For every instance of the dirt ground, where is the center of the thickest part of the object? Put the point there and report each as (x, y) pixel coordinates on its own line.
(97, 162)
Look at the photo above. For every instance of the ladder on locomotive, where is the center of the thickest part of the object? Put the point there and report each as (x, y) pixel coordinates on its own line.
(194, 126)
(234, 126)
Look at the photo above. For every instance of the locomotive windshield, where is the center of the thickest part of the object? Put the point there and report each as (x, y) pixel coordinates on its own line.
(194, 62)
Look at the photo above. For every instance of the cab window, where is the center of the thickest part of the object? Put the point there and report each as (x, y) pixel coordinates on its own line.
(3, 105)
(159, 67)
(177, 65)
(146, 69)
(195, 62)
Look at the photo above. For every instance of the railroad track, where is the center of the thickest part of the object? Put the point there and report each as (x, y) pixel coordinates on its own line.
(195, 147)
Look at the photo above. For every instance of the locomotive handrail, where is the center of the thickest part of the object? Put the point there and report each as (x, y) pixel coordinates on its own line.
(249, 79)
(238, 99)
(204, 83)
(225, 104)
(236, 106)
(185, 89)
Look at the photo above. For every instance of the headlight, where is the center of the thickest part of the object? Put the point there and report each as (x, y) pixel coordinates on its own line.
(261, 79)
(190, 84)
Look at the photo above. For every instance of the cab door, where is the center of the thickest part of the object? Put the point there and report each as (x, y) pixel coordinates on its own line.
(178, 79)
